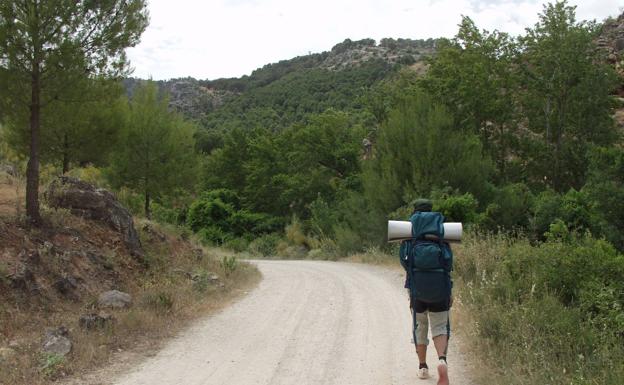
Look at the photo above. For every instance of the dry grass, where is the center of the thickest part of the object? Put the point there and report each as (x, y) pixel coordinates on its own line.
(11, 195)
(173, 289)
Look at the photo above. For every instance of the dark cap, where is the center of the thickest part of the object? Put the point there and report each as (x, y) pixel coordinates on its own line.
(423, 205)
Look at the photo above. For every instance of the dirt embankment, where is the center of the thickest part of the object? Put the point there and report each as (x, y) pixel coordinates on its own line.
(52, 277)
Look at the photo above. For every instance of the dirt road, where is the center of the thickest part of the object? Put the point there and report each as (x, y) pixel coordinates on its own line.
(307, 323)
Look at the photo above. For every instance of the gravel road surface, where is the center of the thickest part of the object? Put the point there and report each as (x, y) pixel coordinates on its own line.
(307, 322)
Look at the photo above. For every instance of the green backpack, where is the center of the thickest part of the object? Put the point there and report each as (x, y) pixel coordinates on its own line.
(428, 261)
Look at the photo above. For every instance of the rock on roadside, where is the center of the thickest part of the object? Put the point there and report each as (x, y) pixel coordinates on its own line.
(86, 200)
(56, 341)
(115, 299)
(95, 321)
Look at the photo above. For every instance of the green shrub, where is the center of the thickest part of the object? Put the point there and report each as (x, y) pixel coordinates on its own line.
(510, 208)
(347, 241)
(236, 244)
(265, 245)
(229, 265)
(51, 365)
(552, 311)
(212, 235)
(456, 208)
(132, 201)
(205, 213)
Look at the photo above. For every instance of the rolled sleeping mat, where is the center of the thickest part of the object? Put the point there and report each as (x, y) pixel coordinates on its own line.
(402, 230)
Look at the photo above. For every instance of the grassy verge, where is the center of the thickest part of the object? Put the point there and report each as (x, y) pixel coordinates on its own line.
(542, 314)
(177, 284)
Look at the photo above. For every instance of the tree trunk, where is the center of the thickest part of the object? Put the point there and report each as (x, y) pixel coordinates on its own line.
(32, 169)
(65, 154)
(148, 214)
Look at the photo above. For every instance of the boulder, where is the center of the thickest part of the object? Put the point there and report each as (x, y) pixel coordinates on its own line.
(115, 299)
(66, 286)
(86, 200)
(57, 341)
(95, 321)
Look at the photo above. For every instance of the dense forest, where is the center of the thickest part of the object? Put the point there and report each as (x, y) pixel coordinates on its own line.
(514, 136)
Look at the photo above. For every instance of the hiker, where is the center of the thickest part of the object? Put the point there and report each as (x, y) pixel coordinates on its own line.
(428, 261)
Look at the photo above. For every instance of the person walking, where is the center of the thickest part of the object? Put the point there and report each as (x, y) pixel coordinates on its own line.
(428, 261)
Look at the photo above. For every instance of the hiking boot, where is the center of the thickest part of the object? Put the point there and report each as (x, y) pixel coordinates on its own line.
(443, 373)
(423, 373)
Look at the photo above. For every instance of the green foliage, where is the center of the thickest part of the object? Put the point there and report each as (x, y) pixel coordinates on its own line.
(156, 154)
(510, 208)
(419, 150)
(456, 208)
(541, 309)
(605, 189)
(217, 218)
(348, 241)
(49, 50)
(472, 75)
(229, 265)
(565, 96)
(51, 364)
(265, 245)
(80, 127)
(286, 97)
(282, 173)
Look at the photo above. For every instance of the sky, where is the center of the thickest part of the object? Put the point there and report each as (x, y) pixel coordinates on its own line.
(211, 39)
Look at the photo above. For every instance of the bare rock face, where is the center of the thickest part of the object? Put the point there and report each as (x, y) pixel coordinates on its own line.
(56, 341)
(115, 299)
(86, 200)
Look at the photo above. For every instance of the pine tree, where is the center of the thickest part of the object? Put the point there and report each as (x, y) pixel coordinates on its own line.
(47, 46)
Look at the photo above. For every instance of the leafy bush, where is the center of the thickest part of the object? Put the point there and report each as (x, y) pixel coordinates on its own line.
(553, 311)
(456, 208)
(347, 241)
(265, 245)
(51, 364)
(575, 209)
(229, 265)
(510, 208)
(205, 213)
(213, 235)
(236, 244)
(132, 201)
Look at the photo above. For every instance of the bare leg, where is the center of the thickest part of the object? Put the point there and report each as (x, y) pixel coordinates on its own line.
(441, 344)
(421, 351)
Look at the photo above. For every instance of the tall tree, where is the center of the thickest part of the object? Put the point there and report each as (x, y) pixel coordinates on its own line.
(48, 45)
(156, 153)
(565, 96)
(418, 149)
(80, 127)
(473, 76)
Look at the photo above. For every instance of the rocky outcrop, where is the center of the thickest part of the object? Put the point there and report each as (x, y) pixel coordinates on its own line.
(392, 51)
(86, 200)
(115, 299)
(611, 41)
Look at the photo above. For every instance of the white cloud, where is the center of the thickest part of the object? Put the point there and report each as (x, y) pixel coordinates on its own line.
(229, 38)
